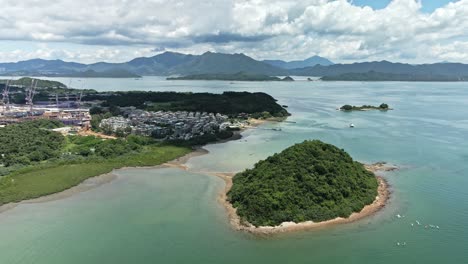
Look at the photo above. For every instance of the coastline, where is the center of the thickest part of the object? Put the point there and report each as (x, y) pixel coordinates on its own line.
(286, 227)
(102, 179)
(86, 185)
(234, 220)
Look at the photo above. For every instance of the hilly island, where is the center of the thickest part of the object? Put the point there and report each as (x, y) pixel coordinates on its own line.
(310, 181)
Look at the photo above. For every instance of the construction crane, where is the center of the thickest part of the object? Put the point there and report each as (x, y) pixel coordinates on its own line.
(30, 92)
(6, 97)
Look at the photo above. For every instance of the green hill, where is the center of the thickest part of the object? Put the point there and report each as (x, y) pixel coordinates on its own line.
(26, 82)
(210, 62)
(310, 181)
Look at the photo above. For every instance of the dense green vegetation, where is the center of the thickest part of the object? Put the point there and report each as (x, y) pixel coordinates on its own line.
(308, 181)
(347, 107)
(28, 142)
(229, 103)
(38, 161)
(240, 76)
(51, 178)
(204, 139)
(379, 76)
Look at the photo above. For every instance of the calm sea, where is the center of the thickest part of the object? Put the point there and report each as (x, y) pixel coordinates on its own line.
(172, 216)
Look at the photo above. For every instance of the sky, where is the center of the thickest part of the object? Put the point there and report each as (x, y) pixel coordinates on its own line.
(345, 31)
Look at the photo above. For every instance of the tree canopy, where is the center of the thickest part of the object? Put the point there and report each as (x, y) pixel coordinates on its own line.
(310, 181)
(229, 103)
(30, 142)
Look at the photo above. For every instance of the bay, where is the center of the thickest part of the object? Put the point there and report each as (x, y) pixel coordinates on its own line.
(172, 216)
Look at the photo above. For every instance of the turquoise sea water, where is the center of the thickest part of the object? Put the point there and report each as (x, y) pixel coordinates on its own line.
(172, 216)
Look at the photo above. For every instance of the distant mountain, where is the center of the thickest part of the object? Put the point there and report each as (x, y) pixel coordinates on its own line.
(312, 61)
(40, 65)
(210, 62)
(167, 63)
(171, 63)
(439, 69)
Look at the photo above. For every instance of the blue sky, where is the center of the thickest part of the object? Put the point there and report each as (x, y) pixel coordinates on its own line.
(427, 5)
(413, 31)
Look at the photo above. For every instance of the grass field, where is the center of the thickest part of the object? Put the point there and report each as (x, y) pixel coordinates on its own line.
(52, 178)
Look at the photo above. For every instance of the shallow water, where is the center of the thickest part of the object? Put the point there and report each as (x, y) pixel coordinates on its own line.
(172, 216)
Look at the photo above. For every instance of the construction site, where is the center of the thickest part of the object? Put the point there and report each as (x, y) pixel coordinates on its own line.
(65, 107)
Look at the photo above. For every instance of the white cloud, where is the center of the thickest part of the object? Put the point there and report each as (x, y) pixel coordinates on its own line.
(117, 30)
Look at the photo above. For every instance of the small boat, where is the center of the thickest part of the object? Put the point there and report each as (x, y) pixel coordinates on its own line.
(351, 125)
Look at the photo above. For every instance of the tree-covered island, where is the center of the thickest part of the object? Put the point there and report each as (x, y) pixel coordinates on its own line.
(382, 107)
(310, 181)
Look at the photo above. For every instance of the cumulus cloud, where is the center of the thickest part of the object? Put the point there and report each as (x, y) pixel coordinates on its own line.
(287, 29)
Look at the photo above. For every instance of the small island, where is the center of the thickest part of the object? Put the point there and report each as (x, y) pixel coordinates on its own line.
(240, 76)
(381, 107)
(310, 181)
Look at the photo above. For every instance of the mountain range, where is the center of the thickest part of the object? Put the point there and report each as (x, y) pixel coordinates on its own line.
(310, 62)
(171, 63)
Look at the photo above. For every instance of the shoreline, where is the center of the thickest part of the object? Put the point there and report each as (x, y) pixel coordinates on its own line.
(234, 220)
(287, 227)
(98, 180)
(86, 185)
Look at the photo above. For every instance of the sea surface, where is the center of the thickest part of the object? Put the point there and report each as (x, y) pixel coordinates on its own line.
(172, 216)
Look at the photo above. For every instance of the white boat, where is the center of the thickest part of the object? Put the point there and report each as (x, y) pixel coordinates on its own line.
(351, 125)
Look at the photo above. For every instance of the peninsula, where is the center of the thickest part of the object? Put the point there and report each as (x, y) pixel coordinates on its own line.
(311, 181)
(39, 156)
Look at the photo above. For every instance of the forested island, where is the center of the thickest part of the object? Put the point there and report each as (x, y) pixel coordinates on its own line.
(382, 107)
(310, 181)
(240, 76)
